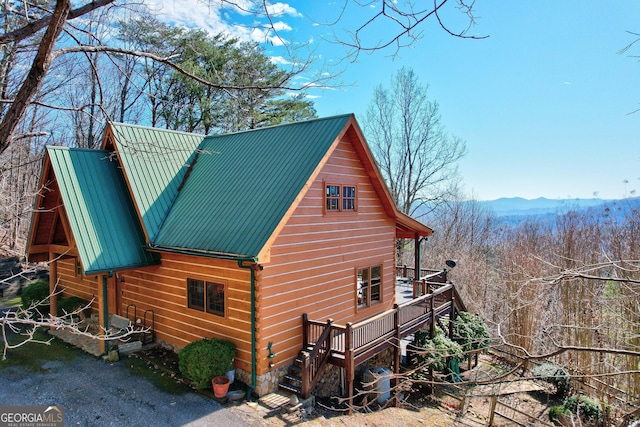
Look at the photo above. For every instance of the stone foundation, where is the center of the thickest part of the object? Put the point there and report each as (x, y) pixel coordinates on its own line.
(268, 382)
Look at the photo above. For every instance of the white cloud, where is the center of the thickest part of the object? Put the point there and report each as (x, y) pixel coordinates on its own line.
(214, 17)
(281, 60)
(281, 26)
(280, 9)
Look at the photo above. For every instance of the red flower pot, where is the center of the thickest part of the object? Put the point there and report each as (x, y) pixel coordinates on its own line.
(220, 386)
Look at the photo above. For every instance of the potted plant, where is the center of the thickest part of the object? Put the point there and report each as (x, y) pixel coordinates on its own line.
(205, 360)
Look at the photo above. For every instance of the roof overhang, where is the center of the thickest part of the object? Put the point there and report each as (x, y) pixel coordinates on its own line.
(409, 228)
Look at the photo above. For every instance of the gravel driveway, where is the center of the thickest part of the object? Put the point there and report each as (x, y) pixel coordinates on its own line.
(96, 393)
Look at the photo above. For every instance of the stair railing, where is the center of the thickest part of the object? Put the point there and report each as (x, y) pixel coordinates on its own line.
(314, 361)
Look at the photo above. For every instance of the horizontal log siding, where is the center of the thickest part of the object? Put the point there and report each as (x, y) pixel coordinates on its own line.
(163, 289)
(314, 260)
(85, 287)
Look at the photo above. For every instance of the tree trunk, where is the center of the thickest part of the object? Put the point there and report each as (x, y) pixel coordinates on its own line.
(38, 71)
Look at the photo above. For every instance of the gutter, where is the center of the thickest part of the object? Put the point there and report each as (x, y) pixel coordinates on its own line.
(219, 255)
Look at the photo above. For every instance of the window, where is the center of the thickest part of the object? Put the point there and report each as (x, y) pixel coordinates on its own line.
(348, 198)
(340, 198)
(212, 299)
(333, 197)
(369, 285)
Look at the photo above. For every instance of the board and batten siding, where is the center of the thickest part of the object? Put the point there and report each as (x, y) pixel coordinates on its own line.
(314, 260)
(163, 289)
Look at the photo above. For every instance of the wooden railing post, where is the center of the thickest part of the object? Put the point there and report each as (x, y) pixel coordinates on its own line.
(432, 327)
(305, 375)
(349, 373)
(305, 333)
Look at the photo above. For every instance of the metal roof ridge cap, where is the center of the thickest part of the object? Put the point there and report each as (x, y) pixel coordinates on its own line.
(317, 119)
(157, 129)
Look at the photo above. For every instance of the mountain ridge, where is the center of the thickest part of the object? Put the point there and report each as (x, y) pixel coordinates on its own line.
(519, 206)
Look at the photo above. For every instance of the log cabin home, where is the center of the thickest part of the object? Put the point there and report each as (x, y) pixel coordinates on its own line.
(258, 237)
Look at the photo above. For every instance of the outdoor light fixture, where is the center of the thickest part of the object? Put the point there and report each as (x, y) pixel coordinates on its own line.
(451, 263)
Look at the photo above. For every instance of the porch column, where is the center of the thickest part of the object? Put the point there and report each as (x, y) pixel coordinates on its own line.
(53, 281)
(103, 309)
(417, 261)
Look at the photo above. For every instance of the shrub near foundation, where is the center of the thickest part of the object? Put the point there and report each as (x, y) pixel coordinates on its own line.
(37, 292)
(201, 361)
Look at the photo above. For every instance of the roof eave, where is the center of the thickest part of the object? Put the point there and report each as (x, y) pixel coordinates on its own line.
(203, 252)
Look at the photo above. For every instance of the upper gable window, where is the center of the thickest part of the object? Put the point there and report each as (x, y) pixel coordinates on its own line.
(340, 198)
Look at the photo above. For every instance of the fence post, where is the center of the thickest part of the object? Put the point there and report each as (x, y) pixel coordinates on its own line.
(492, 409)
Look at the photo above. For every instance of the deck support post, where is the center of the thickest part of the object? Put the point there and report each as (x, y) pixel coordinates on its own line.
(397, 356)
(53, 282)
(349, 369)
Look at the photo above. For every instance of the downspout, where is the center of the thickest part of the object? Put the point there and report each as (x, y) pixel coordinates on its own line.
(105, 304)
(253, 319)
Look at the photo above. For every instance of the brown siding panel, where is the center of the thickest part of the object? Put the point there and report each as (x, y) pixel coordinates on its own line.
(163, 289)
(314, 259)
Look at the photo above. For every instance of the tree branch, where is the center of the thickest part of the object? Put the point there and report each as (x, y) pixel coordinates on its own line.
(35, 26)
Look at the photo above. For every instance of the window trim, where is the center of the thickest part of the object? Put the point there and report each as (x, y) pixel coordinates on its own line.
(341, 199)
(205, 308)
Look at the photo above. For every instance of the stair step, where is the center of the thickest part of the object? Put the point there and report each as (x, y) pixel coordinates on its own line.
(293, 378)
(297, 369)
(291, 388)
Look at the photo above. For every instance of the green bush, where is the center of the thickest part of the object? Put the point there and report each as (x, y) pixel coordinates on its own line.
(68, 305)
(433, 353)
(470, 331)
(586, 408)
(556, 412)
(201, 361)
(555, 375)
(35, 293)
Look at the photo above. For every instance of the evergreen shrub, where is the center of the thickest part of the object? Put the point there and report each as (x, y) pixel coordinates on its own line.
(201, 361)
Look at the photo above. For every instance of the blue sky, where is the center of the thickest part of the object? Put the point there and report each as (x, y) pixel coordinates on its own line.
(543, 103)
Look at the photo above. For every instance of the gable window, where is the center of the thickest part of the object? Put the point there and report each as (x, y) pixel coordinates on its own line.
(206, 296)
(369, 285)
(340, 198)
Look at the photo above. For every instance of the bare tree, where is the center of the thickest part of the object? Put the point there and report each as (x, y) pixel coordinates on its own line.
(414, 152)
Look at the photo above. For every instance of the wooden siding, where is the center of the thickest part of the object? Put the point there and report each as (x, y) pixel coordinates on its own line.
(314, 260)
(85, 287)
(163, 289)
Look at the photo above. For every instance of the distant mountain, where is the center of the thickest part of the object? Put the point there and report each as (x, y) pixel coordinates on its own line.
(517, 206)
(515, 210)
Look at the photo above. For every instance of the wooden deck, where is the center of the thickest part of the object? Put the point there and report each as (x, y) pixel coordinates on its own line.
(352, 344)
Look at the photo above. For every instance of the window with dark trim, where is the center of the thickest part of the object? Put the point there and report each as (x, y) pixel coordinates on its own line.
(340, 198)
(369, 285)
(206, 296)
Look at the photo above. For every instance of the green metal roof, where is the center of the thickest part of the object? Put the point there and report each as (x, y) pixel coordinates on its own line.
(155, 162)
(100, 212)
(242, 184)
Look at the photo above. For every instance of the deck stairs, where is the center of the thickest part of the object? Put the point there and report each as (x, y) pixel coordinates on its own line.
(353, 344)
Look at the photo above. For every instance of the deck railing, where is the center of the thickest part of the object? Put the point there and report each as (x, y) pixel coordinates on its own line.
(369, 336)
(314, 361)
